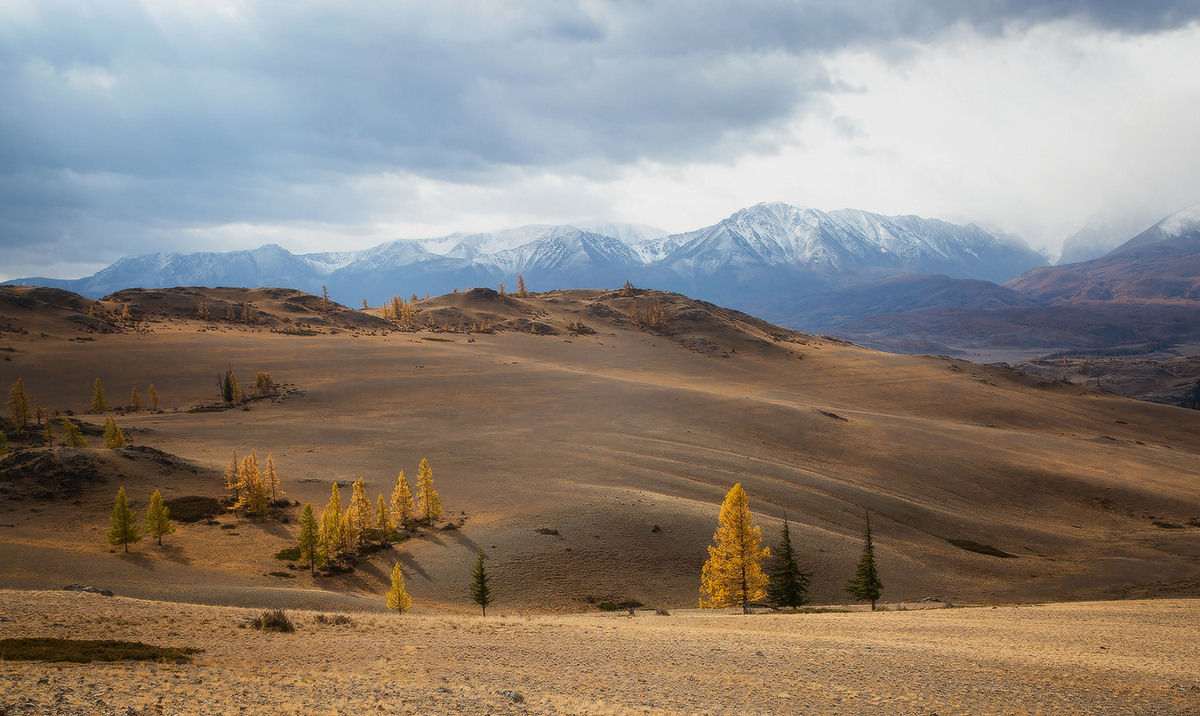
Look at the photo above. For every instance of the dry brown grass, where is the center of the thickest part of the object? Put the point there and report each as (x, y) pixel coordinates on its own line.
(1081, 658)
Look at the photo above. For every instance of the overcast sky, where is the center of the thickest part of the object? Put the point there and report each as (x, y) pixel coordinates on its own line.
(131, 127)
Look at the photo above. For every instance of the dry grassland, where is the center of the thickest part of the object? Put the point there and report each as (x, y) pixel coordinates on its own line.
(1135, 657)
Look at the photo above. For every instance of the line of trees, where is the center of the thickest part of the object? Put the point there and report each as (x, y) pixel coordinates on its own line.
(733, 575)
(125, 529)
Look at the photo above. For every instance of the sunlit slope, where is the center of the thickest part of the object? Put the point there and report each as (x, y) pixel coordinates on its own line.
(607, 436)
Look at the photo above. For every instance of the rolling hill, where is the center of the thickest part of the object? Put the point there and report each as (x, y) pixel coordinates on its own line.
(586, 452)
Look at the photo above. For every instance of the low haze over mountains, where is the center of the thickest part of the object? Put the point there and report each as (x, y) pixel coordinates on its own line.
(764, 251)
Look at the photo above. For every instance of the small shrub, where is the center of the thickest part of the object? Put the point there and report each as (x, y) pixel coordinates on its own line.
(284, 575)
(276, 620)
(229, 527)
(1167, 525)
(209, 409)
(546, 531)
(618, 606)
(291, 553)
(662, 613)
(335, 620)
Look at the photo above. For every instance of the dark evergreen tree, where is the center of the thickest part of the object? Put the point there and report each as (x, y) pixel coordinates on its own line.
(481, 593)
(789, 584)
(866, 585)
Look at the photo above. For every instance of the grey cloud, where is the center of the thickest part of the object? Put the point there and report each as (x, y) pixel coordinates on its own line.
(119, 115)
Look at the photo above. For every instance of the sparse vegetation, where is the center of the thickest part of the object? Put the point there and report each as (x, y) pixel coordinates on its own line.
(276, 620)
(335, 620)
(77, 651)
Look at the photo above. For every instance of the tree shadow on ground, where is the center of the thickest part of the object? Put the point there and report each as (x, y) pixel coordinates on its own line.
(174, 552)
(138, 560)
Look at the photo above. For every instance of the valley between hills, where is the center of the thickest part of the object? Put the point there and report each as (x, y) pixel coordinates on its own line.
(587, 453)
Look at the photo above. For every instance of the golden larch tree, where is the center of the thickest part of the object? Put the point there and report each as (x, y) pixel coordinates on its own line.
(429, 505)
(333, 531)
(153, 397)
(73, 436)
(99, 402)
(310, 541)
(113, 437)
(254, 493)
(124, 523)
(232, 468)
(271, 480)
(383, 520)
(135, 401)
(521, 292)
(158, 518)
(48, 434)
(733, 574)
(18, 405)
(358, 516)
(397, 597)
(403, 510)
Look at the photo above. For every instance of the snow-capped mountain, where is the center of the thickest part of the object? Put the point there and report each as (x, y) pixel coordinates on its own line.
(1100, 235)
(767, 249)
(1172, 227)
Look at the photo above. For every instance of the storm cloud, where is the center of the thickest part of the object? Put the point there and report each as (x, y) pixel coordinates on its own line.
(129, 126)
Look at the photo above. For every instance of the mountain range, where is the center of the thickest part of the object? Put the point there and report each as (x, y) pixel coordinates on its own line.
(761, 252)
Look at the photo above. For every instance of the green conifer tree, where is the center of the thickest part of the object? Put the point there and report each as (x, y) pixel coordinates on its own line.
(429, 505)
(99, 402)
(481, 593)
(788, 586)
(73, 436)
(865, 586)
(124, 523)
(403, 510)
(113, 437)
(158, 518)
(397, 597)
(310, 541)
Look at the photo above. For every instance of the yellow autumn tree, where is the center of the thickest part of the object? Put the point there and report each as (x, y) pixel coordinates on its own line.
(231, 477)
(158, 518)
(254, 493)
(153, 397)
(18, 405)
(73, 436)
(333, 533)
(397, 598)
(383, 520)
(521, 292)
(113, 437)
(135, 401)
(429, 505)
(358, 516)
(99, 402)
(733, 574)
(271, 480)
(402, 502)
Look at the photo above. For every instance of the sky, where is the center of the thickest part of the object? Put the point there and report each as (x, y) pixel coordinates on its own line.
(130, 127)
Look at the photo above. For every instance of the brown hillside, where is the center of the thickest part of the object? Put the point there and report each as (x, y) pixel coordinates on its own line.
(623, 437)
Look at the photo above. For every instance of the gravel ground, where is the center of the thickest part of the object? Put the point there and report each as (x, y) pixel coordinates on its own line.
(1135, 657)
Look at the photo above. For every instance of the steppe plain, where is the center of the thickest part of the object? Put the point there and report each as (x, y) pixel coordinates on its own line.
(624, 441)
